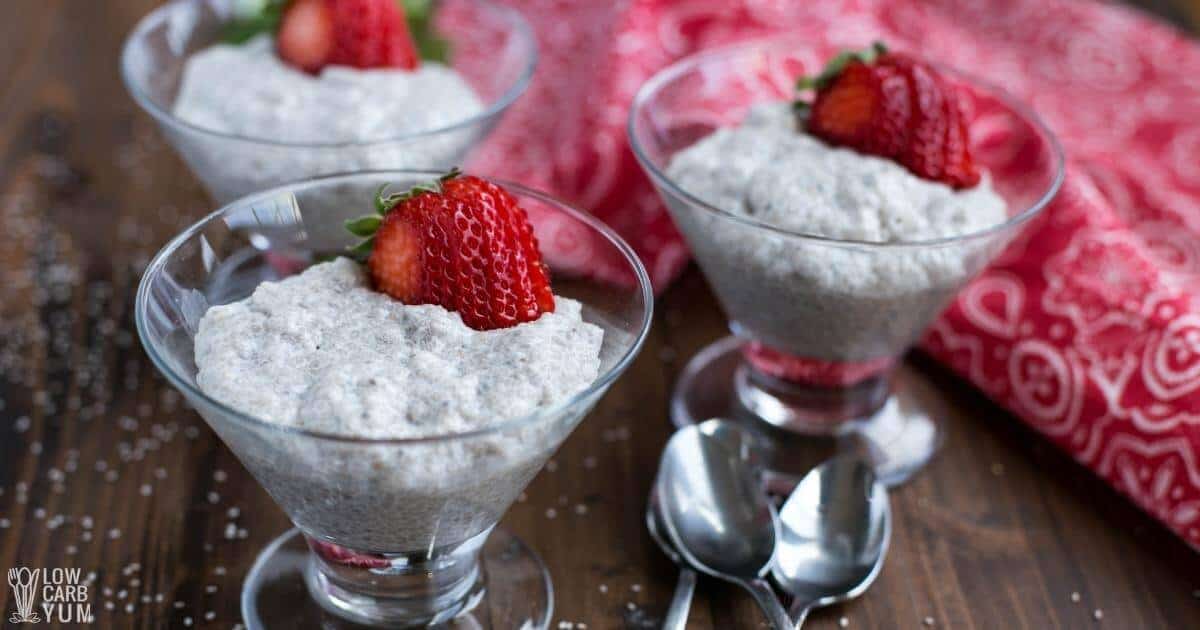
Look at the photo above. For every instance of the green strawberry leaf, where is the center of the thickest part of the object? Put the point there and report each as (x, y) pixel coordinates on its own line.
(253, 19)
(364, 226)
(362, 250)
(430, 45)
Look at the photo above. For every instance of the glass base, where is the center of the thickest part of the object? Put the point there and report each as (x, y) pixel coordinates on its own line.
(805, 426)
(512, 590)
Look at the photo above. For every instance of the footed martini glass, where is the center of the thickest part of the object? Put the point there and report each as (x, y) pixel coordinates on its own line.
(819, 324)
(389, 532)
(491, 46)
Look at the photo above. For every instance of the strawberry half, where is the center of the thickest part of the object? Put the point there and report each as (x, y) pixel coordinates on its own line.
(360, 33)
(462, 243)
(893, 106)
(371, 34)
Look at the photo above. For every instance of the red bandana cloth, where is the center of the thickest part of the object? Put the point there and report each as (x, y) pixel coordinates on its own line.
(1086, 327)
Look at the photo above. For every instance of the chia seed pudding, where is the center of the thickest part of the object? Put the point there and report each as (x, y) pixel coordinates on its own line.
(823, 299)
(246, 90)
(323, 352)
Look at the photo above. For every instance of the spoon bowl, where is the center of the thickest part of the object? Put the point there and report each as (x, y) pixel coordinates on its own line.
(834, 534)
(715, 512)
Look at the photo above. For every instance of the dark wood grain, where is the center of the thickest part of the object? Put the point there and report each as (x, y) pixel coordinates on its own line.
(1001, 531)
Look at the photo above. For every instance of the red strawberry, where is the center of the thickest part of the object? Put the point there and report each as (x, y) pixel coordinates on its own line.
(305, 36)
(938, 148)
(371, 34)
(360, 33)
(464, 244)
(518, 235)
(897, 107)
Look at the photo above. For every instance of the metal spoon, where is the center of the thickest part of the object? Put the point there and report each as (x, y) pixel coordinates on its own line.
(835, 527)
(681, 602)
(715, 512)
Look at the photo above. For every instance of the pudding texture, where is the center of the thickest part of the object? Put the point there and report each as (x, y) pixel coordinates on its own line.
(833, 297)
(322, 352)
(247, 90)
(279, 124)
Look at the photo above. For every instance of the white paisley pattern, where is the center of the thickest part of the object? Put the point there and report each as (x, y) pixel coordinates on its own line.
(1087, 327)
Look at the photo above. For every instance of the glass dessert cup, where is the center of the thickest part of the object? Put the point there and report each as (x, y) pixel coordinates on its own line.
(491, 46)
(819, 324)
(400, 530)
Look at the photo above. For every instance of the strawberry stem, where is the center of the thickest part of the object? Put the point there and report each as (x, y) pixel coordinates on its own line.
(366, 226)
(838, 63)
(384, 203)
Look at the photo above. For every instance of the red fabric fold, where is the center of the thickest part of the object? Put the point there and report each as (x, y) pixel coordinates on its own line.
(1086, 327)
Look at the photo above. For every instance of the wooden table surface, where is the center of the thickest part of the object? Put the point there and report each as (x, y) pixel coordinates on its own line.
(102, 469)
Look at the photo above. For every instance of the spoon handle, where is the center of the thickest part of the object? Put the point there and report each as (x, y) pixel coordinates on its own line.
(799, 612)
(769, 602)
(681, 603)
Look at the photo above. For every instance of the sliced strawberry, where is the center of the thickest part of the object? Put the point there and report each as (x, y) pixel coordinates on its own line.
(939, 147)
(893, 122)
(464, 244)
(847, 112)
(518, 235)
(305, 38)
(929, 124)
(894, 106)
(397, 262)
